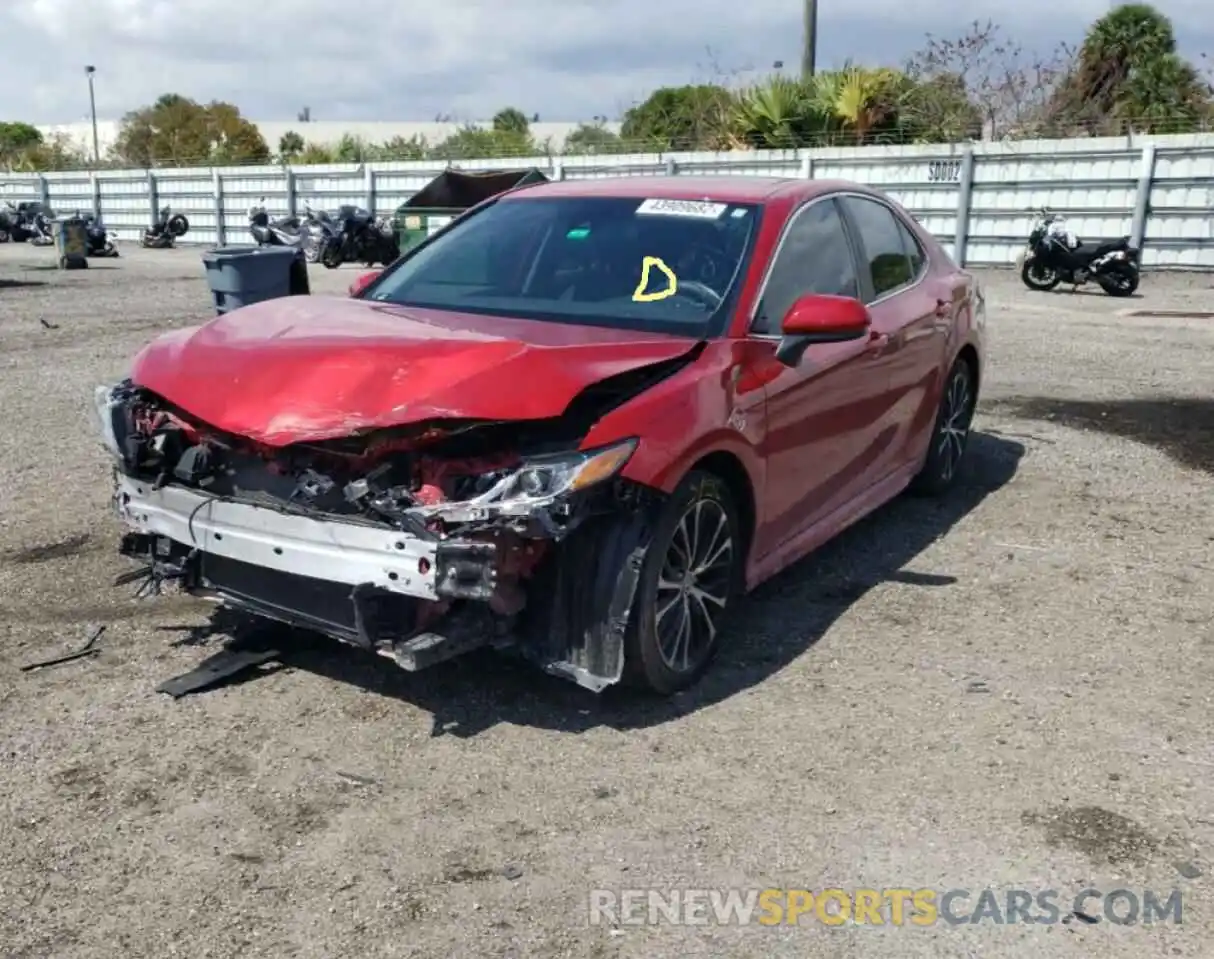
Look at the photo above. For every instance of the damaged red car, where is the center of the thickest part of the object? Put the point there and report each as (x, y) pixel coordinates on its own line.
(577, 423)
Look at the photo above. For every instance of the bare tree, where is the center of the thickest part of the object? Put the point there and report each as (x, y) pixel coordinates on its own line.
(1013, 90)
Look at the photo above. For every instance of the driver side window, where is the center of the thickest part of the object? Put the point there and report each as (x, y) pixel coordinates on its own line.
(814, 257)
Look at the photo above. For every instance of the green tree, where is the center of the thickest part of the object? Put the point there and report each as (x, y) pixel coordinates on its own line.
(473, 142)
(402, 148)
(696, 117)
(57, 152)
(588, 139)
(1128, 72)
(290, 145)
(177, 131)
(780, 113)
(17, 137)
(512, 120)
(864, 100)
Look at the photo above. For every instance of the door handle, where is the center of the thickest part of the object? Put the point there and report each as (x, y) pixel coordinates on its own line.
(877, 342)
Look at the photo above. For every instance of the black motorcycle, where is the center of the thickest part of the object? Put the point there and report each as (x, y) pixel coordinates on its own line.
(27, 222)
(165, 232)
(359, 238)
(100, 240)
(1054, 256)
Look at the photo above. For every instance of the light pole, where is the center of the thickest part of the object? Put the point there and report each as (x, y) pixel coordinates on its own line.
(809, 40)
(89, 71)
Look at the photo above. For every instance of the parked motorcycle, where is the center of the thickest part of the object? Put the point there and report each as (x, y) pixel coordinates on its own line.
(100, 240)
(28, 222)
(165, 232)
(308, 233)
(322, 228)
(1055, 255)
(360, 238)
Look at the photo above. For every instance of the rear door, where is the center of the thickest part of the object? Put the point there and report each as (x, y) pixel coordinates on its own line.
(819, 416)
(911, 313)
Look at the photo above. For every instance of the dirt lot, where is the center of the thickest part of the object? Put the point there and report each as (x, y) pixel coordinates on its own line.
(1011, 690)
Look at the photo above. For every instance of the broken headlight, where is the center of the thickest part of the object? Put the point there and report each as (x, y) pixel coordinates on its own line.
(540, 481)
(544, 478)
(109, 417)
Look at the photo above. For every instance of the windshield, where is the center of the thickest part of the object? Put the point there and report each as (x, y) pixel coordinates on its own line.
(665, 266)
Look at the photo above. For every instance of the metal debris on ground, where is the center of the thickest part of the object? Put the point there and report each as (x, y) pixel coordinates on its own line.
(88, 649)
(48, 325)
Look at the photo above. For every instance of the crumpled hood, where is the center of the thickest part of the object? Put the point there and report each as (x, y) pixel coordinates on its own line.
(309, 368)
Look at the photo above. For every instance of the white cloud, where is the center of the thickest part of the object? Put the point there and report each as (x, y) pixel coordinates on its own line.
(392, 60)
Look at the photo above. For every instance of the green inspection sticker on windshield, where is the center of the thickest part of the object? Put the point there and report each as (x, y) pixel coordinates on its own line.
(578, 233)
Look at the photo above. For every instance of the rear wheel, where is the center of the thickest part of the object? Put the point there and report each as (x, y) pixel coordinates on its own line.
(691, 572)
(178, 225)
(1037, 276)
(950, 435)
(1121, 279)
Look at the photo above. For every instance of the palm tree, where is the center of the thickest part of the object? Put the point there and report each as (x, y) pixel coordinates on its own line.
(860, 98)
(1129, 71)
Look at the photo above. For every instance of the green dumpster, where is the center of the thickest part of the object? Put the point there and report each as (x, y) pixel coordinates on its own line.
(71, 242)
(448, 195)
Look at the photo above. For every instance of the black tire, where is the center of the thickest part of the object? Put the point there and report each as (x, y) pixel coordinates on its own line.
(3, 236)
(331, 257)
(702, 516)
(178, 225)
(950, 434)
(1037, 277)
(1120, 280)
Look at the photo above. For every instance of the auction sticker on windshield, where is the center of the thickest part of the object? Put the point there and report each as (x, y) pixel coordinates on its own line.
(700, 209)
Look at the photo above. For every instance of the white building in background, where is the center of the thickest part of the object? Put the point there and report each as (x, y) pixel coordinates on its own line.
(321, 131)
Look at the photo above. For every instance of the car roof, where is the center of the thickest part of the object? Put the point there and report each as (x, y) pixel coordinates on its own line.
(724, 189)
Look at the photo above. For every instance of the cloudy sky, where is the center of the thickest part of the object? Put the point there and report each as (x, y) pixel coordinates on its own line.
(408, 60)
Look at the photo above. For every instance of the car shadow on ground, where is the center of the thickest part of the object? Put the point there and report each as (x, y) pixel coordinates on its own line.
(773, 626)
(1180, 426)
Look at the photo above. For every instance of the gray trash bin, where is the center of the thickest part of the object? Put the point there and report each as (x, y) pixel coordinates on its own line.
(240, 275)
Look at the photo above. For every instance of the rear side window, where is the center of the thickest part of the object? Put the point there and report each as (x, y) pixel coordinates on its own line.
(910, 243)
(888, 265)
(814, 257)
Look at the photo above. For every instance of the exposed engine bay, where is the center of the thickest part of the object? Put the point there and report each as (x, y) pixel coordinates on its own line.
(419, 542)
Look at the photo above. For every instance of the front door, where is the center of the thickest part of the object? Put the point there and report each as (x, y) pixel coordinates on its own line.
(821, 420)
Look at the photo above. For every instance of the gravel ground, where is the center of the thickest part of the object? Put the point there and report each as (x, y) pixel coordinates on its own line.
(1006, 690)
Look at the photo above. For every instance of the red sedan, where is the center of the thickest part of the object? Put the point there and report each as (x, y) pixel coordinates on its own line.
(576, 423)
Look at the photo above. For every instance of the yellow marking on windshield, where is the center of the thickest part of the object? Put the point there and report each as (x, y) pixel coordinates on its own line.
(672, 282)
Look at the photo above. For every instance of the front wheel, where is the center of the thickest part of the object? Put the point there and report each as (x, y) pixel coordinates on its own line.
(691, 572)
(1120, 280)
(1037, 276)
(950, 435)
(178, 225)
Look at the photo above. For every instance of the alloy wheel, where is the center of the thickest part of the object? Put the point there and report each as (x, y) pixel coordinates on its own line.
(694, 586)
(954, 423)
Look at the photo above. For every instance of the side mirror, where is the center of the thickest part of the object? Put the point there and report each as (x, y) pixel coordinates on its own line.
(816, 318)
(363, 282)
